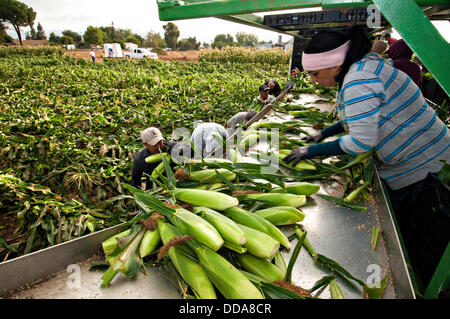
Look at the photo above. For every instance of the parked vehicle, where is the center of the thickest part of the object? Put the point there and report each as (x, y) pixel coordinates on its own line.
(140, 53)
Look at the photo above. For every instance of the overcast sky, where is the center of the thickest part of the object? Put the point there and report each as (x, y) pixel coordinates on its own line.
(141, 16)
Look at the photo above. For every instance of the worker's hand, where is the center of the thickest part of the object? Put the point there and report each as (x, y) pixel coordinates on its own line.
(316, 138)
(290, 85)
(297, 154)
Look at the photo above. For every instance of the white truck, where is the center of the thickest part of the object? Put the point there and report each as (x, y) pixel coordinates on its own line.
(140, 53)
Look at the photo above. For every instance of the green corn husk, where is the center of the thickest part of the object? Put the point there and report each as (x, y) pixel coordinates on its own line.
(234, 155)
(156, 157)
(281, 215)
(149, 243)
(191, 272)
(226, 227)
(225, 277)
(211, 187)
(210, 176)
(125, 258)
(298, 188)
(243, 217)
(159, 170)
(306, 243)
(210, 160)
(248, 141)
(110, 244)
(278, 199)
(300, 166)
(260, 244)
(274, 232)
(335, 291)
(198, 227)
(280, 262)
(260, 267)
(205, 198)
(268, 125)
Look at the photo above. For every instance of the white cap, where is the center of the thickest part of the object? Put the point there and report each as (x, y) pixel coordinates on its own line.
(151, 136)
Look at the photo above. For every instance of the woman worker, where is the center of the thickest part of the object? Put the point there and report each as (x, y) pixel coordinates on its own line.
(381, 109)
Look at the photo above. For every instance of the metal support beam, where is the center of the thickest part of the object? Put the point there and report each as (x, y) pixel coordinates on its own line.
(424, 39)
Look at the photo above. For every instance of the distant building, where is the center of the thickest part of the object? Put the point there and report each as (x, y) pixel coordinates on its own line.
(31, 43)
(264, 46)
(70, 46)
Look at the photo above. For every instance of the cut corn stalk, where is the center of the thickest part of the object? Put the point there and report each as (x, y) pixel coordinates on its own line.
(149, 243)
(306, 243)
(351, 197)
(156, 157)
(260, 267)
(260, 244)
(280, 262)
(190, 270)
(375, 237)
(358, 159)
(198, 227)
(294, 256)
(110, 244)
(205, 198)
(278, 199)
(225, 277)
(281, 215)
(210, 176)
(125, 258)
(336, 292)
(298, 188)
(227, 228)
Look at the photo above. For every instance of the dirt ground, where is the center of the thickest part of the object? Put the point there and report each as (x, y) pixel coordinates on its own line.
(171, 55)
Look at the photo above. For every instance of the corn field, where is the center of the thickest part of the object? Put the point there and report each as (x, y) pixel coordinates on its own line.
(69, 130)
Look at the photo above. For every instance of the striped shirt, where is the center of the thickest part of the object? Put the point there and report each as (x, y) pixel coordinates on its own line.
(382, 109)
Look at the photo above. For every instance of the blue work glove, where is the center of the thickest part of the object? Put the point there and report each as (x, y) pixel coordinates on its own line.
(297, 154)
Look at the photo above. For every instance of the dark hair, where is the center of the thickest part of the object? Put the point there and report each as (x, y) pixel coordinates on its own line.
(328, 40)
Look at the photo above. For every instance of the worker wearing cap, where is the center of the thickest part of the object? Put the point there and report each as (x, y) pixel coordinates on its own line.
(153, 142)
(264, 96)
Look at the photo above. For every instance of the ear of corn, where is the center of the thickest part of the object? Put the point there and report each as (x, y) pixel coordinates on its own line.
(300, 166)
(260, 244)
(205, 198)
(234, 155)
(210, 176)
(281, 215)
(159, 170)
(243, 217)
(248, 141)
(211, 187)
(156, 157)
(298, 188)
(198, 227)
(274, 232)
(260, 267)
(278, 199)
(191, 272)
(227, 228)
(225, 277)
(149, 243)
(280, 262)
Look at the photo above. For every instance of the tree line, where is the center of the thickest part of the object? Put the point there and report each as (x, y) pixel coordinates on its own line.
(20, 15)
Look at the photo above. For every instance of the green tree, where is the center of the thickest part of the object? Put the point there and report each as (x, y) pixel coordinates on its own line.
(246, 39)
(93, 36)
(188, 44)
(16, 13)
(171, 34)
(222, 40)
(4, 37)
(134, 40)
(40, 34)
(65, 39)
(74, 35)
(54, 39)
(154, 40)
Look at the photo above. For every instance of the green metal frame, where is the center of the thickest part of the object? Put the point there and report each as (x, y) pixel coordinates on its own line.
(406, 16)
